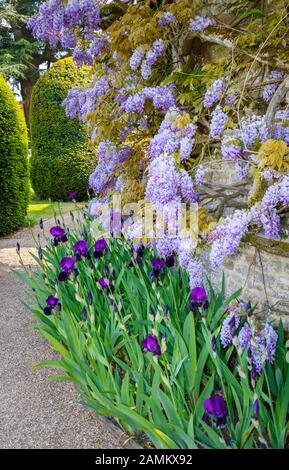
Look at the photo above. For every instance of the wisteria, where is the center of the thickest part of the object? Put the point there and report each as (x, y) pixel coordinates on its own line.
(269, 90)
(218, 122)
(162, 97)
(277, 194)
(108, 157)
(216, 91)
(200, 23)
(227, 236)
(261, 345)
(167, 19)
(175, 133)
(229, 329)
(136, 59)
(55, 22)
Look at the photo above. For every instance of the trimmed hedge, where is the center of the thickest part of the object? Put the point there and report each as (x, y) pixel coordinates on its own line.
(61, 159)
(14, 172)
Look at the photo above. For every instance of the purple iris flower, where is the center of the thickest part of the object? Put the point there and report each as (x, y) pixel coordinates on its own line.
(215, 407)
(51, 303)
(198, 298)
(89, 298)
(150, 344)
(67, 265)
(158, 265)
(170, 261)
(214, 343)
(256, 409)
(81, 249)
(84, 314)
(100, 248)
(72, 195)
(40, 253)
(58, 234)
(41, 225)
(103, 283)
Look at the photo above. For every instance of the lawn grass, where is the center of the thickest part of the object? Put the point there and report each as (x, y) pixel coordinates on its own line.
(46, 209)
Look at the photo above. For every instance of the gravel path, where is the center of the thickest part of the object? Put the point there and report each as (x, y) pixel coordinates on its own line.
(34, 411)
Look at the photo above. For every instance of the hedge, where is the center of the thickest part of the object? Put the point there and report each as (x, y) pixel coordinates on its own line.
(61, 159)
(14, 172)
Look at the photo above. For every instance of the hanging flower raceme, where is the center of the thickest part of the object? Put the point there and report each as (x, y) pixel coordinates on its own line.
(216, 410)
(261, 345)
(151, 344)
(229, 329)
(215, 93)
(200, 23)
(269, 90)
(51, 304)
(58, 234)
(56, 21)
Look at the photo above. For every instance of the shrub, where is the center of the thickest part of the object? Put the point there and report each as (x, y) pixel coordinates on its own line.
(14, 175)
(61, 159)
(143, 351)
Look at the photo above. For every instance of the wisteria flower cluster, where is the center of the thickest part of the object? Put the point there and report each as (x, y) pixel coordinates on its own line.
(200, 23)
(146, 61)
(56, 21)
(175, 133)
(108, 158)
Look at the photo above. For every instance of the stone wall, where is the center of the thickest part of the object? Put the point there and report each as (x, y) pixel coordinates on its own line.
(264, 278)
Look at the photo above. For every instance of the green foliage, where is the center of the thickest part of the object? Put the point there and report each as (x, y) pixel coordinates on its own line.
(162, 396)
(61, 158)
(14, 175)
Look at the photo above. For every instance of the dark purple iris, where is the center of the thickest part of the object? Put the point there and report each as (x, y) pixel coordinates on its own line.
(158, 265)
(41, 225)
(214, 343)
(81, 249)
(104, 283)
(67, 265)
(256, 409)
(150, 344)
(72, 195)
(100, 248)
(215, 407)
(90, 298)
(58, 234)
(198, 298)
(84, 314)
(51, 303)
(40, 253)
(170, 261)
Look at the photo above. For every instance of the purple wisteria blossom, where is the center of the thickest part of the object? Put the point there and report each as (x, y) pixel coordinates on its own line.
(171, 137)
(218, 122)
(162, 97)
(227, 236)
(136, 59)
(56, 21)
(216, 91)
(277, 194)
(269, 90)
(102, 179)
(167, 19)
(152, 56)
(229, 327)
(200, 23)
(261, 345)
